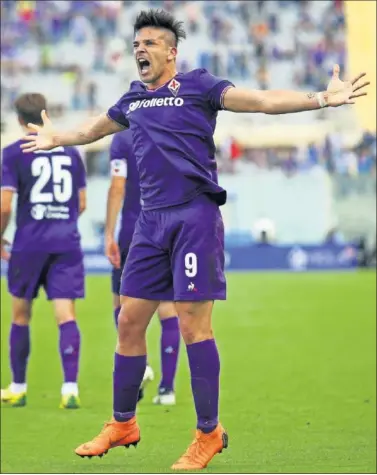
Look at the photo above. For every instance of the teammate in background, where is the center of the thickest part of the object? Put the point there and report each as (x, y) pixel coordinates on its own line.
(46, 251)
(177, 250)
(125, 189)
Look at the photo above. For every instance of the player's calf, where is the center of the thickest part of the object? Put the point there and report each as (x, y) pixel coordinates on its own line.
(69, 346)
(170, 341)
(204, 361)
(15, 394)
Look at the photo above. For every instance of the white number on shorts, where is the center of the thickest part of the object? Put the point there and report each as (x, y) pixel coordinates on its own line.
(61, 177)
(191, 264)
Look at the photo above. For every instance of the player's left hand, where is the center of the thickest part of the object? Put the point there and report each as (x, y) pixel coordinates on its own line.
(112, 252)
(5, 255)
(344, 92)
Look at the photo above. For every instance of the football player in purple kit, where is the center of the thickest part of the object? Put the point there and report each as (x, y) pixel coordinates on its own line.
(46, 250)
(125, 188)
(177, 250)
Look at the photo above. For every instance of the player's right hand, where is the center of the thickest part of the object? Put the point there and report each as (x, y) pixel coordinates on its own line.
(44, 138)
(5, 255)
(112, 251)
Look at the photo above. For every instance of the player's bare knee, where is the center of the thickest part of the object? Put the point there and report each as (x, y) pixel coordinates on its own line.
(21, 318)
(192, 333)
(21, 311)
(64, 311)
(134, 317)
(130, 329)
(135, 314)
(166, 310)
(195, 321)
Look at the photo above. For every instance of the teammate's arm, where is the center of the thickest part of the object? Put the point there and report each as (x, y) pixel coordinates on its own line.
(115, 199)
(6, 211)
(285, 102)
(47, 137)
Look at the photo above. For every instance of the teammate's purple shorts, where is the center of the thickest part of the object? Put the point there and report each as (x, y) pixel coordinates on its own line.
(61, 275)
(177, 254)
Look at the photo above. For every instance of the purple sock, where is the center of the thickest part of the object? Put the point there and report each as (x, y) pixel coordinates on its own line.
(19, 343)
(205, 370)
(170, 338)
(116, 315)
(127, 378)
(70, 350)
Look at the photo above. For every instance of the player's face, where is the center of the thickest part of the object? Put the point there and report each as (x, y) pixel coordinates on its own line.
(153, 53)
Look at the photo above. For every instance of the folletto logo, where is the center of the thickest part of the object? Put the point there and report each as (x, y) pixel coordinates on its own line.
(156, 102)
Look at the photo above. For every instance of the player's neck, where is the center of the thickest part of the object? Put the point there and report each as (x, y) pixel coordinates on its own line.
(164, 79)
(26, 130)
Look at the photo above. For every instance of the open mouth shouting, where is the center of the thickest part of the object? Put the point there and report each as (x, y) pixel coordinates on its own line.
(144, 66)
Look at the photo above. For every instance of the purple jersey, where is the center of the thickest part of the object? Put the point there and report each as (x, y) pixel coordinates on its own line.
(47, 184)
(172, 129)
(123, 164)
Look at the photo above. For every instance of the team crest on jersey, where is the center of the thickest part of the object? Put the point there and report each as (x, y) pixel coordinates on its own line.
(174, 86)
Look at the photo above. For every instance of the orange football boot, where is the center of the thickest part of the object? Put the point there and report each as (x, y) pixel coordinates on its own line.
(113, 434)
(203, 449)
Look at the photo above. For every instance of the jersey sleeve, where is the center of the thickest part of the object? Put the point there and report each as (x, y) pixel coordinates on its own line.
(116, 114)
(118, 158)
(81, 171)
(9, 176)
(214, 88)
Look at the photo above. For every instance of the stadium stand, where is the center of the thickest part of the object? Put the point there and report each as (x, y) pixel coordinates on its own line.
(78, 54)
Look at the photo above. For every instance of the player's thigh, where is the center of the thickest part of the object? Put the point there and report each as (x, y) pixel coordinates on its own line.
(65, 276)
(147, 273)
(21, 311)
(26, 274)
(198, 254)
(166, 310)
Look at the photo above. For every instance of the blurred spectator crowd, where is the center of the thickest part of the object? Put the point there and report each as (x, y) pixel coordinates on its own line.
(275, 43)
(331, 154)
(266, 44)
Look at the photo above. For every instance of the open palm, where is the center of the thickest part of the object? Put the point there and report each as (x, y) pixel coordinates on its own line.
(43, 138)
(344, 92)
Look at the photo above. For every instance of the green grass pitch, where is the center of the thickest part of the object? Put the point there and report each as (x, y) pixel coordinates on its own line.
(298, 383)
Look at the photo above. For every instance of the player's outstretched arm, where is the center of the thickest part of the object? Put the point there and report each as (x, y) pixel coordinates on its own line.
(337, 94)
(47, 137)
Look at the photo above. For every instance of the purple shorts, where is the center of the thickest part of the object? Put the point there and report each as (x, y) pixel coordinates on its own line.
(61, 275)
(177, 254)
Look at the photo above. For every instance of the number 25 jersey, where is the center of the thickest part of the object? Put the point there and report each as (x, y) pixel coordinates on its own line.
(47, 184)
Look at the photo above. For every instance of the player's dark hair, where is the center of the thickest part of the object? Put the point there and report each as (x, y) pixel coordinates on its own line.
(160, 19)
(29, 107)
